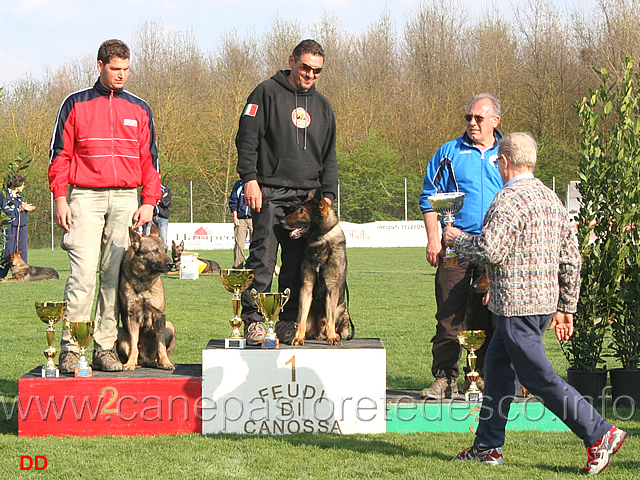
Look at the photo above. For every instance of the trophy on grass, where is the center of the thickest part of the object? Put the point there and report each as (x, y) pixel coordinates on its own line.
(472, 340)
(270, 305)
(447, 204)
(81, 334)
(236, 280)
(51, 313)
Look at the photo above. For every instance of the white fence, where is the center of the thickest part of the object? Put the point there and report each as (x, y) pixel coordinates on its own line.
(219, 236)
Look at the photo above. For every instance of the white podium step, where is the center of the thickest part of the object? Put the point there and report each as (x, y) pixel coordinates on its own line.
(310, 388)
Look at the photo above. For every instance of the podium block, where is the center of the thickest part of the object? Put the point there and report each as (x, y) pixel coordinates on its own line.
(309, 388)
(146, 401)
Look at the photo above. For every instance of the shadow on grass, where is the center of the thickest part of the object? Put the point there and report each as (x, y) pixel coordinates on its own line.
(361, 444)
(8, 387)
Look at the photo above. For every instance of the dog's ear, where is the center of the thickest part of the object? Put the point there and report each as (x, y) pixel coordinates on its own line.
(134, 237)
(182, 244)
(316, 196)
(173, 245)
(155, 232)
(318, 199)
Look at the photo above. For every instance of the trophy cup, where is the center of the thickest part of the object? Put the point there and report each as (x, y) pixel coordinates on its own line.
(81, 333)
(236, 280)
(50, 313)
(447, 204)
(270, 305)
(472, 340)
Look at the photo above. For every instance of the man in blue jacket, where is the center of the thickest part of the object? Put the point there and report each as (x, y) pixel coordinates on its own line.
(466, 164)
(286, 145)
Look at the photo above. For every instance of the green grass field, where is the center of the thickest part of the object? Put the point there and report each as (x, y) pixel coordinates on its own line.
(391, 298)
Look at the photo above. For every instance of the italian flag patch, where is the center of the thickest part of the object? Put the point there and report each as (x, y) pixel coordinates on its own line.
(251, 109)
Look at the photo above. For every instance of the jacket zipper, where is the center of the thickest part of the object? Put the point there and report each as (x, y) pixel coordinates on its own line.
(113, 147)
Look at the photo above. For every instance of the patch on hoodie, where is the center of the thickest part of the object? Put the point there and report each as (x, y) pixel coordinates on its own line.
(130, 122)
(300, 118)
(251, 109)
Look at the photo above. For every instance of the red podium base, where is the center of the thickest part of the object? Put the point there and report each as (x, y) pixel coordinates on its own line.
(147, 401)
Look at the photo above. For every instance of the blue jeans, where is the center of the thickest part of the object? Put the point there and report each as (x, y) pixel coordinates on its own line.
(162, 224)
(517, 348)
(13, 245)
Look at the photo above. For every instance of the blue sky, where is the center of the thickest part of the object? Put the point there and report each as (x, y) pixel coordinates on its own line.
(40, 34)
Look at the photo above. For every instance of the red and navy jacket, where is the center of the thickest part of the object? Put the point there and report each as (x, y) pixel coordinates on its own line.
(104, 138)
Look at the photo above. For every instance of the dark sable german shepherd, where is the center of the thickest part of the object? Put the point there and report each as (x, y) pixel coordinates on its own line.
(146, 338)
(28, 273)
(210, 266)
(322, 312)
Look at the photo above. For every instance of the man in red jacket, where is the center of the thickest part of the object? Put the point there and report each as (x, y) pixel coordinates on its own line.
(103, 148)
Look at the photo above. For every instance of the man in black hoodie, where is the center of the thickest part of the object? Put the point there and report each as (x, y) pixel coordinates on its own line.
(286, 148)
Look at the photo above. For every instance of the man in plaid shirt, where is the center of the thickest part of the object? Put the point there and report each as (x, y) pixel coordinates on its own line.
(533, 262)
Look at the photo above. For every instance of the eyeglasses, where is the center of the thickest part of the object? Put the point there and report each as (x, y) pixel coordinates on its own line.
(478, 118)
(309, 68)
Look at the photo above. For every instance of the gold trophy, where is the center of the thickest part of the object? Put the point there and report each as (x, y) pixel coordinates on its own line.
(447, 204)
(472, 340)
(81, 333)
(270, 305)
(51, 313)
(236, 280)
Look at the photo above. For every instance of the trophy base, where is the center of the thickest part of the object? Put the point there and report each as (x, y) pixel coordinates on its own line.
(473, 397)
(270, 343)
(50, 373)
(235, 342)
(83, 371)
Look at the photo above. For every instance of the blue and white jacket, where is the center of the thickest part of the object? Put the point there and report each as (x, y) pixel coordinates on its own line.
(237, 202)
(460, 166)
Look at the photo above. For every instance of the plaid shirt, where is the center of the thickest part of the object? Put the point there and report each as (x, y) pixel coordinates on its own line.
(530, 249)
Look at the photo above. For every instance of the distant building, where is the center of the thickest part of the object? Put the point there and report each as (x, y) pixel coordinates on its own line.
(573, 199)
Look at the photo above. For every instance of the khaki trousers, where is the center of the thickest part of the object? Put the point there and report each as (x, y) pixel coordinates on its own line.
(240, 232)
(99, 234)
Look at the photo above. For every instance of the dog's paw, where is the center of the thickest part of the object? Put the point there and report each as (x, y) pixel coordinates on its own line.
(297, 340)
(127, 367)
(167, 366)
(334, 340)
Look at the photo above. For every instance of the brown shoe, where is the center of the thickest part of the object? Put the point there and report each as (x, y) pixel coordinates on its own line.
(68, 362)
(442, 387)
(106, 360)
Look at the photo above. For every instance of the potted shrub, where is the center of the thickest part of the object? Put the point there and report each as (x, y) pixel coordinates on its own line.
(587, 372)
(610, 214)
(625, 332)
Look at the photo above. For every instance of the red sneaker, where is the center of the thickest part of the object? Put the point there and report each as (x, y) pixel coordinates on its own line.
(490, 456)
(599, 454)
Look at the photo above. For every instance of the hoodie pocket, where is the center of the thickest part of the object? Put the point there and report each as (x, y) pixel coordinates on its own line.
(295, 172)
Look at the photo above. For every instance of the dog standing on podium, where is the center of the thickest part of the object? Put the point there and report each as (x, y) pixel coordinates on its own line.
(322, 311)
(145, 338)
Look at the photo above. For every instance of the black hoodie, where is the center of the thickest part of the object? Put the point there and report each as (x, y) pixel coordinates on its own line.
(287, 138)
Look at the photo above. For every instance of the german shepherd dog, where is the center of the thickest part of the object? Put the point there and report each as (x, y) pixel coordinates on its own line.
(322, 312)
(176, 252)
(28, 273)
(145, 338)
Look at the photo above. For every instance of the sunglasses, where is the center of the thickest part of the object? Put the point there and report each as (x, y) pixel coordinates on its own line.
(309, 68)
(478, 118)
